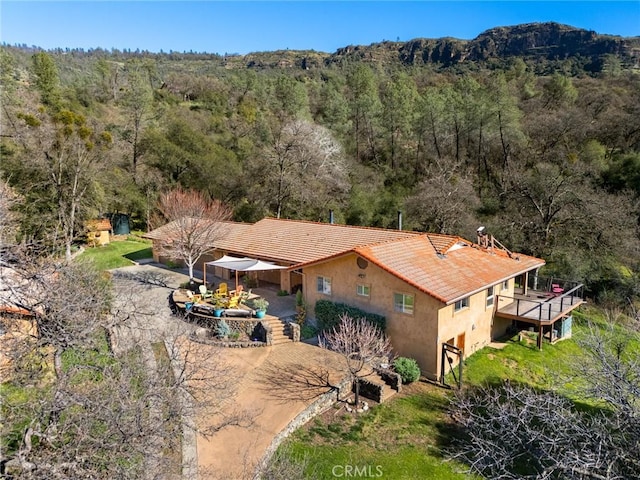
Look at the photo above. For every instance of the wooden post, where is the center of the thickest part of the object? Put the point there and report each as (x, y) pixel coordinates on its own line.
(540, 338)
(285, 280)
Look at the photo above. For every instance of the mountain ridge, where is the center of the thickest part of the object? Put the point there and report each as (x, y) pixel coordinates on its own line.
(540, 40)
(541, 43)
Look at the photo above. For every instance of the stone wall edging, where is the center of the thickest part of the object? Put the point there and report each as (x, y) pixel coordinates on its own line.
(320, 405)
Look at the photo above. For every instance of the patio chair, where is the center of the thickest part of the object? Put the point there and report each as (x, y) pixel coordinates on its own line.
(557, 289)
(222, 290)
(204, 292)
(233, 302)
(244, 296)
(238, 291)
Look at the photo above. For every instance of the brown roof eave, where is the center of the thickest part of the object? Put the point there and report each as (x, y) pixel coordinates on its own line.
(478, 290)
(322, 260)
(265, 258)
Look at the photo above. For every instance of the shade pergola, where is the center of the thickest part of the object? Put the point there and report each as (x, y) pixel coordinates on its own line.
(241, 264)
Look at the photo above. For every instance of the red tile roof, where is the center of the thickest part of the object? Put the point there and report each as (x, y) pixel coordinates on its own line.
(296, 241)
(99, 224)
(446, 267)
(231, 229)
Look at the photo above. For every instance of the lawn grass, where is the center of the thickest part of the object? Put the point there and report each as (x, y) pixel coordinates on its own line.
(401, 439)
(406, 435)
(522, 362)
(119, 253)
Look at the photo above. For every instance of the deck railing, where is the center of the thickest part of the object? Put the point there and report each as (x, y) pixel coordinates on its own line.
(547, 309)
(546, 284)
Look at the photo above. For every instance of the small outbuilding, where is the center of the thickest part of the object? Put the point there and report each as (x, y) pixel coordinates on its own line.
(98, 232)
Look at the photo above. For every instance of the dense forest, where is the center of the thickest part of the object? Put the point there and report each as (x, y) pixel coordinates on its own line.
(532, 131)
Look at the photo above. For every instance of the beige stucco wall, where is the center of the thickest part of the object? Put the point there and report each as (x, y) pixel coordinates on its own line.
(412, 335)
(474, 327)
(419, 335)
(500, 325)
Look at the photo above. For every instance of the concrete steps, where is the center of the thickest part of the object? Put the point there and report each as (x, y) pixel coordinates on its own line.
(279, 329)
(386, 391)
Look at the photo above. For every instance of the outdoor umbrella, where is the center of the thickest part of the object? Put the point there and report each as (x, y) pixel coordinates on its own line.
(241, 264)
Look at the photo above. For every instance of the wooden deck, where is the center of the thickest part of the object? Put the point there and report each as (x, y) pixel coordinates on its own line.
(540, 308)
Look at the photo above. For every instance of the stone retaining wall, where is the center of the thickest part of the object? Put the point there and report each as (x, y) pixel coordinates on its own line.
(320, 405)
(391, 378)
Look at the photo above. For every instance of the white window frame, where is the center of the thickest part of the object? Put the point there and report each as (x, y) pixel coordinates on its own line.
(461, 304)
(325, 286)
(363, 290)
(402, 305)
(491, 296)
(505, 285)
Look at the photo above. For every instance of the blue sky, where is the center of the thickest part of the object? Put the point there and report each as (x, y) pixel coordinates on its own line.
(243, 27)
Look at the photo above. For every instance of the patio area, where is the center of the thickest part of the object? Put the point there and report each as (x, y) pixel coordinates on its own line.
(279, 386)
(281, 306)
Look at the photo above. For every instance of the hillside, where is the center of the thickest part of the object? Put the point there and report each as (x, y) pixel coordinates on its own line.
(532, 130)
(532, 42)
(546, 44)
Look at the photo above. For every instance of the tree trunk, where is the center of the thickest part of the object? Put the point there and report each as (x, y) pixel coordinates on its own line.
(357, 394)
(57, 362)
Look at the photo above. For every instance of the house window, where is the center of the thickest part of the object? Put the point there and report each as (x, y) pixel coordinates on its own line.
(363, 290)
(403, 303)
(324, 285)
(490, 296)
(505, 285)
(461, 304)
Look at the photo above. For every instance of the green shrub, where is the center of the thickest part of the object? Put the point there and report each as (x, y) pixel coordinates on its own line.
(308, 331)
(222, 329)
(301, 309)
(282, 293)
(407, 368)
(328, 314)
(260, 304)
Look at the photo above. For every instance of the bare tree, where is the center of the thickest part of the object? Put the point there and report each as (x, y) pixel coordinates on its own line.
(66, 154)
(445, 202)
(67, 301)
(611, 372)
(305, 166)
(195, 223)
(360, 343)
(130, 388)
(514, 432)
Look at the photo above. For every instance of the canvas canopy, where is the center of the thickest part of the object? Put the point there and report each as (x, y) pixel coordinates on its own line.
(241, 264)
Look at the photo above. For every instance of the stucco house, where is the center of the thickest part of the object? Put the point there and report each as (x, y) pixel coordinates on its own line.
(444, 297)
